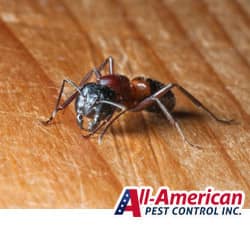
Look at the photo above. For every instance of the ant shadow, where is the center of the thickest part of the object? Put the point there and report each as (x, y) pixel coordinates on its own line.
(140, 123)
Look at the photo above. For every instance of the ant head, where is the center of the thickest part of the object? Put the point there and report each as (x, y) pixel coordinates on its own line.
(88, 104)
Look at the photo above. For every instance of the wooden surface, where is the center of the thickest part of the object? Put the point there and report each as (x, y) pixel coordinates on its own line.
(204, 45)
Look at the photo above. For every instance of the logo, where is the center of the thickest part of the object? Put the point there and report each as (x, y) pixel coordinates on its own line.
(140, 201)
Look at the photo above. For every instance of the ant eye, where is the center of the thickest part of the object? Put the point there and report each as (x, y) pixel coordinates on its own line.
(79, 117)
(79, 120)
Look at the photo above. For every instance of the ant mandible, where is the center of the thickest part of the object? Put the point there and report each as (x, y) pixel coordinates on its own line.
(99, 100)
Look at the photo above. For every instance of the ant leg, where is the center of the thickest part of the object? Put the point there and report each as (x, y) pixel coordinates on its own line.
(98, 74)
(109, 123)
(66, 103)
(86, 78)
(156, 98)
(109, 61)
(198, 104)
(111, 65)
(71, 98)
(98, 128)
(173, 122)
(98, 70)
(78, 88)
(116, 105)
(148, 101)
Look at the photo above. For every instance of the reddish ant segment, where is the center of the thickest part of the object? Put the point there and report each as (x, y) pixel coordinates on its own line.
(99, 100)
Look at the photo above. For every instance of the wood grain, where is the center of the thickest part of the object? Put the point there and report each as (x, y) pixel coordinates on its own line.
(203, 45)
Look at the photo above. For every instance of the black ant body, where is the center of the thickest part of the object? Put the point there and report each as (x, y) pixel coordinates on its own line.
(99, 100)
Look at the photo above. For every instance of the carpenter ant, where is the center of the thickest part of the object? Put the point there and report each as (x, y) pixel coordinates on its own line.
(98, 101)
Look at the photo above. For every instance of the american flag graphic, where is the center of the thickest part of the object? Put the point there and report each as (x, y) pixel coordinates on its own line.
(129, 202)
(123, 203)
